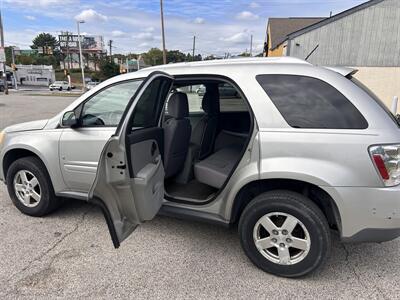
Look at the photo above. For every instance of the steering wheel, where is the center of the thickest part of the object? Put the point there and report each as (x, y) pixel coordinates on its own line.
(90, 119)
(114, 117)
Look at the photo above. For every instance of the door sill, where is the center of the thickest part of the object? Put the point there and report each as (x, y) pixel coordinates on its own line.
(73, 195)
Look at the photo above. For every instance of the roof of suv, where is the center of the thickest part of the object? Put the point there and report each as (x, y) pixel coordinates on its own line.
(226, 67)
(232, 62)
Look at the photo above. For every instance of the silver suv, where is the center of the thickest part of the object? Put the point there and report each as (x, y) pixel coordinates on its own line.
(296, 152)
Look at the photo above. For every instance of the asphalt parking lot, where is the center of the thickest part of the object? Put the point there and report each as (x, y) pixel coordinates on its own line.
(69, 253)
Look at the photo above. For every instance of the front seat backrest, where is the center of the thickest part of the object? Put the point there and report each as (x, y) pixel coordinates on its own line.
(177, 131)
(206, 129)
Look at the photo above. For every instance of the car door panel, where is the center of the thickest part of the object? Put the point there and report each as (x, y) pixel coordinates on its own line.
(80, 151)
(129, 184)
(148, 173)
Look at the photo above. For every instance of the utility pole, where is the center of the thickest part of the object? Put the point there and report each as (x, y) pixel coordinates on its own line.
(68, 57)
(4, 63)
(14, 66)
(194, 46)
(163, 33)
(110, 44)
(251, 45)
(80, 56)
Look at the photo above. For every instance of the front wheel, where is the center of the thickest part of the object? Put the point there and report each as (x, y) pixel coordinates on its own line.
(30, 187)
(285, 233)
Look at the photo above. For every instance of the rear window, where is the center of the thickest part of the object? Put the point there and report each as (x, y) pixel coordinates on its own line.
(307, 102)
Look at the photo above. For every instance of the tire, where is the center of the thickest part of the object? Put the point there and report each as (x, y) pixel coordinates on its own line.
(60, 89)
(51, 90)
(32, 166)
(311, 229)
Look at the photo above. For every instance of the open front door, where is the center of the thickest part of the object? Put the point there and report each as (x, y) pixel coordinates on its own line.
(129, 184)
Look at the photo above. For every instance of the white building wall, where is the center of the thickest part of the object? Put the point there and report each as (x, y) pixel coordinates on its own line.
(35, 75)
(384, 82)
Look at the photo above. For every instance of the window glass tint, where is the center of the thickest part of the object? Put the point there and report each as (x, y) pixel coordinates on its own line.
(106, 107)
(307, 102)
(230, 99)
(150, 104)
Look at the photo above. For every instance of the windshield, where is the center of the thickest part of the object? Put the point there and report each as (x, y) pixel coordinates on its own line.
(376, 98)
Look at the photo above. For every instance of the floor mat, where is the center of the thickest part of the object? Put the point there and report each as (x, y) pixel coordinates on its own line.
(193, 189)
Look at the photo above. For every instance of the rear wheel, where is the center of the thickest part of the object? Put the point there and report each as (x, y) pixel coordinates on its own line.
(30, 188)
(285, 233)
(60, 89)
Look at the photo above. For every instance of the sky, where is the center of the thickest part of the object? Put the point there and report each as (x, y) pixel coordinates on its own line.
(220, 26)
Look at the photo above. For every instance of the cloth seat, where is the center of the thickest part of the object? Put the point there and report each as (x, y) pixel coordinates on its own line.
(177, 132)
(215, 169)
(205, 131)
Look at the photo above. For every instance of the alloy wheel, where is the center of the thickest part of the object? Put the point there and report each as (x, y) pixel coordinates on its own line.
(281, 238)
(27, 188)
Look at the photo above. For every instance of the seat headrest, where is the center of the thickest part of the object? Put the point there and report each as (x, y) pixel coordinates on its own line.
(178, 106)
(209, 104)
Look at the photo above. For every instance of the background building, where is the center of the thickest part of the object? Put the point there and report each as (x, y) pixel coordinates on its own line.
(366, 37)
(35, 75)
(278, 30)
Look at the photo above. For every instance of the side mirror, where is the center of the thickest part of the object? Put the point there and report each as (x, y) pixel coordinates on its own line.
(69, 119)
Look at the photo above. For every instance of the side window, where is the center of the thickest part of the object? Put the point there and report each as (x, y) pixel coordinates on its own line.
(195, 95)
(307, 102)
(149, 106)
(230, 99)
(106, 107)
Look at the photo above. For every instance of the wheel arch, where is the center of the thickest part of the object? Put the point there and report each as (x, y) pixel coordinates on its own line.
(315, 193)
(16, 153)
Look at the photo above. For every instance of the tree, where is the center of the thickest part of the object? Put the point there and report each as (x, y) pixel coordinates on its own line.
(8, 51)
(175, 56)
(44, 41)
(153, 57)
(108, 69)
(244, 54)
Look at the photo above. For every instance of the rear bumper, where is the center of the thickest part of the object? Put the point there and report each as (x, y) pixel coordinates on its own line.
(368, 214)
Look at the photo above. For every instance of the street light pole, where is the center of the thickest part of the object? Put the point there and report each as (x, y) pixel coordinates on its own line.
(80, 55)
(4, 63)
(14, 71)
(163, 33)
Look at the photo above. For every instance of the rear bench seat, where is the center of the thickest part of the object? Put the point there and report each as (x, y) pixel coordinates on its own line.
(215, 169)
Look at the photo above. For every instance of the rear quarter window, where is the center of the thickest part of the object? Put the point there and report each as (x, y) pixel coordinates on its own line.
(307, 102)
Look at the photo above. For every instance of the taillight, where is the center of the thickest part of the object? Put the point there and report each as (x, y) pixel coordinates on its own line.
(387, 162)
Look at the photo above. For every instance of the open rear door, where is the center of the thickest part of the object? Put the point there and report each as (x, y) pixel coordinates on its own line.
(129, 184)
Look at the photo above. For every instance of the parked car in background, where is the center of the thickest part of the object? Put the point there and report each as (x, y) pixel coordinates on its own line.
(310, 153)
(91, 84)
(59, 85)
(226, 90)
